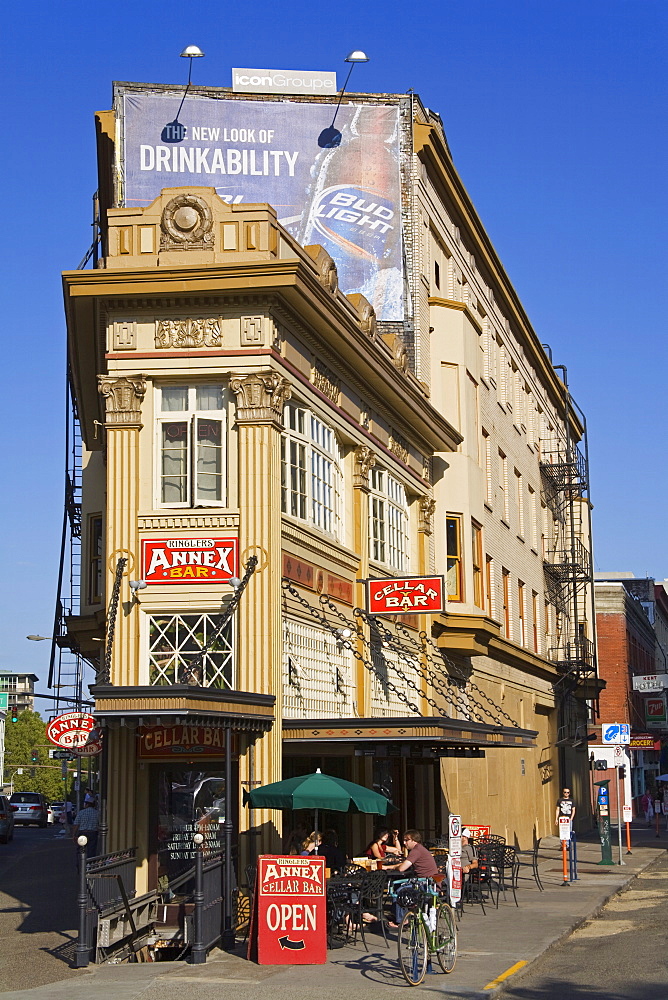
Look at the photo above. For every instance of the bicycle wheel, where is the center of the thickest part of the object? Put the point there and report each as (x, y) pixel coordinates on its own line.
(445, 937)
(413, 950)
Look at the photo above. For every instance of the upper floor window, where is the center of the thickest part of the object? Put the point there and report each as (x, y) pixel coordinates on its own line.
(175, 644)
(388, 520)
(311, 479)
(191, 429)
(455, 565)
(95, 540)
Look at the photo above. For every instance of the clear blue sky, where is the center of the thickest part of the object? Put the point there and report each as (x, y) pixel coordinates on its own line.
(556, 117)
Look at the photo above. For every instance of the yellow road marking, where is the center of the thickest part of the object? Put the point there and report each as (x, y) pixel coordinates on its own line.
(505, 975)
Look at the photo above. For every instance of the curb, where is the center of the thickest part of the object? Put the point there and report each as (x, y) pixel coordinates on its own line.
(499, 990)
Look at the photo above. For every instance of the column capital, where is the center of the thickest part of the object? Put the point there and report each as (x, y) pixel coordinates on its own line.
(427, 508)
(260, 397)
(364, 462)
(124, 394)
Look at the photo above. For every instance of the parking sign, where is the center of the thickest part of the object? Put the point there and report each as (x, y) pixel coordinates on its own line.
(616, 732)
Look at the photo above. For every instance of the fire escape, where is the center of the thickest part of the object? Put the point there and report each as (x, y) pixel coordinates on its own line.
(567, 563)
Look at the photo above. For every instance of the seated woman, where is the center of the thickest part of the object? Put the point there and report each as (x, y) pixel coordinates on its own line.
(379, 847)
(331, 851)
(313, 841)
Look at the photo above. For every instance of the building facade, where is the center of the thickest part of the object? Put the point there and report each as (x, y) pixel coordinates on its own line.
(20, 690)
(261, 437)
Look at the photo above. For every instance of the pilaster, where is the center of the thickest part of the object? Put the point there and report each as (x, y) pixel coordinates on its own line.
(364, 460)
(259, 418)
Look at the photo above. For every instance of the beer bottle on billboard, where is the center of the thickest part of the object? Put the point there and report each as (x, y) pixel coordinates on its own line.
(353, 207)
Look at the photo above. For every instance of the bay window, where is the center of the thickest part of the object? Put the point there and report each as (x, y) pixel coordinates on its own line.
(311, 479)
(388, 520)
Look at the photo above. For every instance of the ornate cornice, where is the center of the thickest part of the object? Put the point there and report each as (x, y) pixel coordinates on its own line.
(204, 331)
(260, 397)
(324, 380)
(123, 395)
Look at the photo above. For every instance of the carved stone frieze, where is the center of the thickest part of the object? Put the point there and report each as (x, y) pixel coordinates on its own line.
(325, 266)
(185, 334)
(398, 446)
(252, 333)
(364, 462)
(427, 509)
(324, 380)
(398, 349)
(186, 224)
(260, 397)
(123, 395)
(427, 469)
(124, 335)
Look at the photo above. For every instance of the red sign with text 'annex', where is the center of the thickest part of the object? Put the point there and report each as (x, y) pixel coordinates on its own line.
(189, 560)
(406, 595)
(291, 911)
(70, 730)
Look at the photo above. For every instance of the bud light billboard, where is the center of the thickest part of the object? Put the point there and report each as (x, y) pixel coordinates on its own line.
(347, 197)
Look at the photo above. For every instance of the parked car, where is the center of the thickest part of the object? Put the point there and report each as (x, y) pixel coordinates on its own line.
(58, 809)
(6, 820)
(30, 807)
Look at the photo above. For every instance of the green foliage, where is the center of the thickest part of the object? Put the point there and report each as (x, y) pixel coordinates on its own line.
(21, 738)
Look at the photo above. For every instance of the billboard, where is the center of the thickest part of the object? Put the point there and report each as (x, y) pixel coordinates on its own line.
(346, 198)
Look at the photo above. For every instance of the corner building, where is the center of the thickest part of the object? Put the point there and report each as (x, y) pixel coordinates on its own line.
(267, 423)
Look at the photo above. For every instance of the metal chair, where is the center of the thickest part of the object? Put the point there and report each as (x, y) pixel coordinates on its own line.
(507, 862)
(374, 891)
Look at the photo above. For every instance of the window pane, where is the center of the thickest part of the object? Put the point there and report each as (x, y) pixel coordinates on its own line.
(174, 397)
(209, 397)
(174, 471)
(209, 460)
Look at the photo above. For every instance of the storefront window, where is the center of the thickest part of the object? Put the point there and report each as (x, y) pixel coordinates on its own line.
(189, 802)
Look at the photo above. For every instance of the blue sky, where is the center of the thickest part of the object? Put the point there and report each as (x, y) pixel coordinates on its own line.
(556, 117)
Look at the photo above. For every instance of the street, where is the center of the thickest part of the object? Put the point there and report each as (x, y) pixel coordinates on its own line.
(616, 956)
(620, 955)
(37, 908)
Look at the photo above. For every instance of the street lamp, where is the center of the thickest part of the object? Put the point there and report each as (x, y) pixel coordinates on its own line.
(175, 131)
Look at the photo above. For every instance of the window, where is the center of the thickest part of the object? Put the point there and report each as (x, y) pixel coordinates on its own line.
(533, 519)
(503, 487)
(487, 459)
(505, 574)
(191, 443)
(521, 613)
(519, 502)
(534, 619)
(175, 641)
(388, 520)
(95, 559)
(311, 477)
(489, 576)
(455, 570)
(476, 545)
(437, 274)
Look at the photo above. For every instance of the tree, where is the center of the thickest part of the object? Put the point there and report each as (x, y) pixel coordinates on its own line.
(24, 740)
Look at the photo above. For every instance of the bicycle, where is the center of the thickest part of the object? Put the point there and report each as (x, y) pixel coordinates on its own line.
(428, 928)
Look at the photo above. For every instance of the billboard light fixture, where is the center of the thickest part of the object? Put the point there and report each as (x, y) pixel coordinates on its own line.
(330, 137)
(175, 131)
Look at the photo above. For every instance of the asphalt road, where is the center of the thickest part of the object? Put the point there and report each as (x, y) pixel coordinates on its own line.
(38, 915)
(619, 955)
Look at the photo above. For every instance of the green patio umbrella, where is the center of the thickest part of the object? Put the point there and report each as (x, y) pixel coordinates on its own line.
(318, 791)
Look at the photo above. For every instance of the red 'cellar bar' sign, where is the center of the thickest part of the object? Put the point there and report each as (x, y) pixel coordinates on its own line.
(291, 911)
(189, 560)
(406, 595)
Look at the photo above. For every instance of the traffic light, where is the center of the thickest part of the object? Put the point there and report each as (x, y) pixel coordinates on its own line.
(600, 765)
(34, 756)
(622, 771)
(15, 715)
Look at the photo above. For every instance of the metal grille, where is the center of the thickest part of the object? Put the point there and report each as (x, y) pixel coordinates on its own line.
(317, 673)
(174, 643)
(388, 678)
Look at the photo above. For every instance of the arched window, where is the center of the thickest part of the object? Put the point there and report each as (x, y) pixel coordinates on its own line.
(311, 478)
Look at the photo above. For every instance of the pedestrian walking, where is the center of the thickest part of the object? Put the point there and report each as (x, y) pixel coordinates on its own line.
(86, 822)
(565, 806)
(646, 806)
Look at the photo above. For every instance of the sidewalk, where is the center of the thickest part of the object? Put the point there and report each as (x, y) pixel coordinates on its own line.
(488, 946)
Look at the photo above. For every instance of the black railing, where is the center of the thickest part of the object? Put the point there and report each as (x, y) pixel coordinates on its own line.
(103, 874)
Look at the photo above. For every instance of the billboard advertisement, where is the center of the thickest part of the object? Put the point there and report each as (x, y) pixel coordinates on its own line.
(346, 198)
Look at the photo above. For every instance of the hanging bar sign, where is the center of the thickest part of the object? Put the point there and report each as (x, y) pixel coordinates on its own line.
(406, 595)
(189, 560)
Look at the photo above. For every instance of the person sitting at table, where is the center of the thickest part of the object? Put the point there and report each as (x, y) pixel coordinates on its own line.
(313, 841)
(330, 850)
(420, 861)
(469, 856)
(379, 847)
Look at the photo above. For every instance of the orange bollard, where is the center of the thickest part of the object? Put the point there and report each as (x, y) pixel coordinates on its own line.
(628, 839)
(564, 858)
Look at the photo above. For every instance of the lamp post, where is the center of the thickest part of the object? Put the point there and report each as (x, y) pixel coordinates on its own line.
(175, 131)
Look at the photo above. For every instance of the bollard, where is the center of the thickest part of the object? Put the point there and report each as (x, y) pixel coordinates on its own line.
(628, 839)
(198, 950)
(564, 858)
(82, 953)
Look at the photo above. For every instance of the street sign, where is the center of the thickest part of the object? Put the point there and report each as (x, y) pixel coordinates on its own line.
(564, 828)
(61, 755)
(620, 751)
(616, 732)
(291, 910)
(4, 701)
(650, 682)
(627, 813)
(455, 857)
(70, 730)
